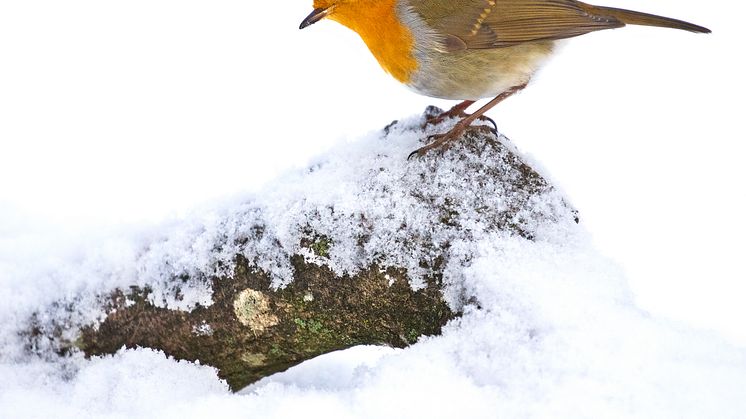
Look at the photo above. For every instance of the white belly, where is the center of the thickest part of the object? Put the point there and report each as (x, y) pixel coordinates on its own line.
(477, 74)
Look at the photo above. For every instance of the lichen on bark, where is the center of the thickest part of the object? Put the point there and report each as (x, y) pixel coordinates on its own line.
(274, 329)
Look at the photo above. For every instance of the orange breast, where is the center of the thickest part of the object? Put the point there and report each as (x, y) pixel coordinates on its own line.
(378, 25)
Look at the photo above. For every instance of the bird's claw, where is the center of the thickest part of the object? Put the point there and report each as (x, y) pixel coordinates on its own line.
(424, 149)
(491, 121)
(443, 141)
(437, 141)
(435, 116)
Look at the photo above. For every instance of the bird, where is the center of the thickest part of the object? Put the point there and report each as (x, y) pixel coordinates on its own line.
(469, 50)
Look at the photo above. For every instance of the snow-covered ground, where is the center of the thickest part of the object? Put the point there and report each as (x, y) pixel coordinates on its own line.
(123, 122)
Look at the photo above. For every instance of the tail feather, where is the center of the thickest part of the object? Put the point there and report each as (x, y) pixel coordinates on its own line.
(638, 18)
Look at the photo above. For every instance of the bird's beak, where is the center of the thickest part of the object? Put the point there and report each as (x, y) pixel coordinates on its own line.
(315, 16)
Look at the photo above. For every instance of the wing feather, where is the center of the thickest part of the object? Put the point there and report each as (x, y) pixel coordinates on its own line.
(481, 24)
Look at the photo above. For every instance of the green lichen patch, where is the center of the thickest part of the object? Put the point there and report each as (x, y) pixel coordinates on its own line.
(319, 244)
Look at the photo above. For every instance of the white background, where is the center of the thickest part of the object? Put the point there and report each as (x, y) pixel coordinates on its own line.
(123, 114)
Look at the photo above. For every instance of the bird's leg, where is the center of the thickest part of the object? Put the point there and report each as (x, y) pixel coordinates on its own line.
(440, 140)
(458, 111)
(455, 112)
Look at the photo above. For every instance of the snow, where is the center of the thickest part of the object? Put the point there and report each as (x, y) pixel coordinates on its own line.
(134, 383)
(115, 117)
(556, 334)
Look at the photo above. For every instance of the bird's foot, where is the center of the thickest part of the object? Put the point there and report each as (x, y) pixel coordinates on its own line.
(443, 141)
(493, 128)
(435, 115)
(439, 141)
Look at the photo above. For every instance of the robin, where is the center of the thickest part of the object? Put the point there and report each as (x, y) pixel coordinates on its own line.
(472, 49)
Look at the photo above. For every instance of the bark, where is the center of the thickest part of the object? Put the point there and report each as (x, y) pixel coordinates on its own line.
(252, 330)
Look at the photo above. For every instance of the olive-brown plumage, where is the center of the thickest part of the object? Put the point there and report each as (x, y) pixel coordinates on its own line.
(472, 49)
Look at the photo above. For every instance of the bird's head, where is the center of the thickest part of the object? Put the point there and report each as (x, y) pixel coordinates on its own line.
(378, 25)
(339, 10)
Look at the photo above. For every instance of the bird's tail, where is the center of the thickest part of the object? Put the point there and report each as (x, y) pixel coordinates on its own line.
(637, 18)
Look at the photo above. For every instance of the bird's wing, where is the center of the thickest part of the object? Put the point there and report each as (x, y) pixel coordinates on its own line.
(481, 24)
